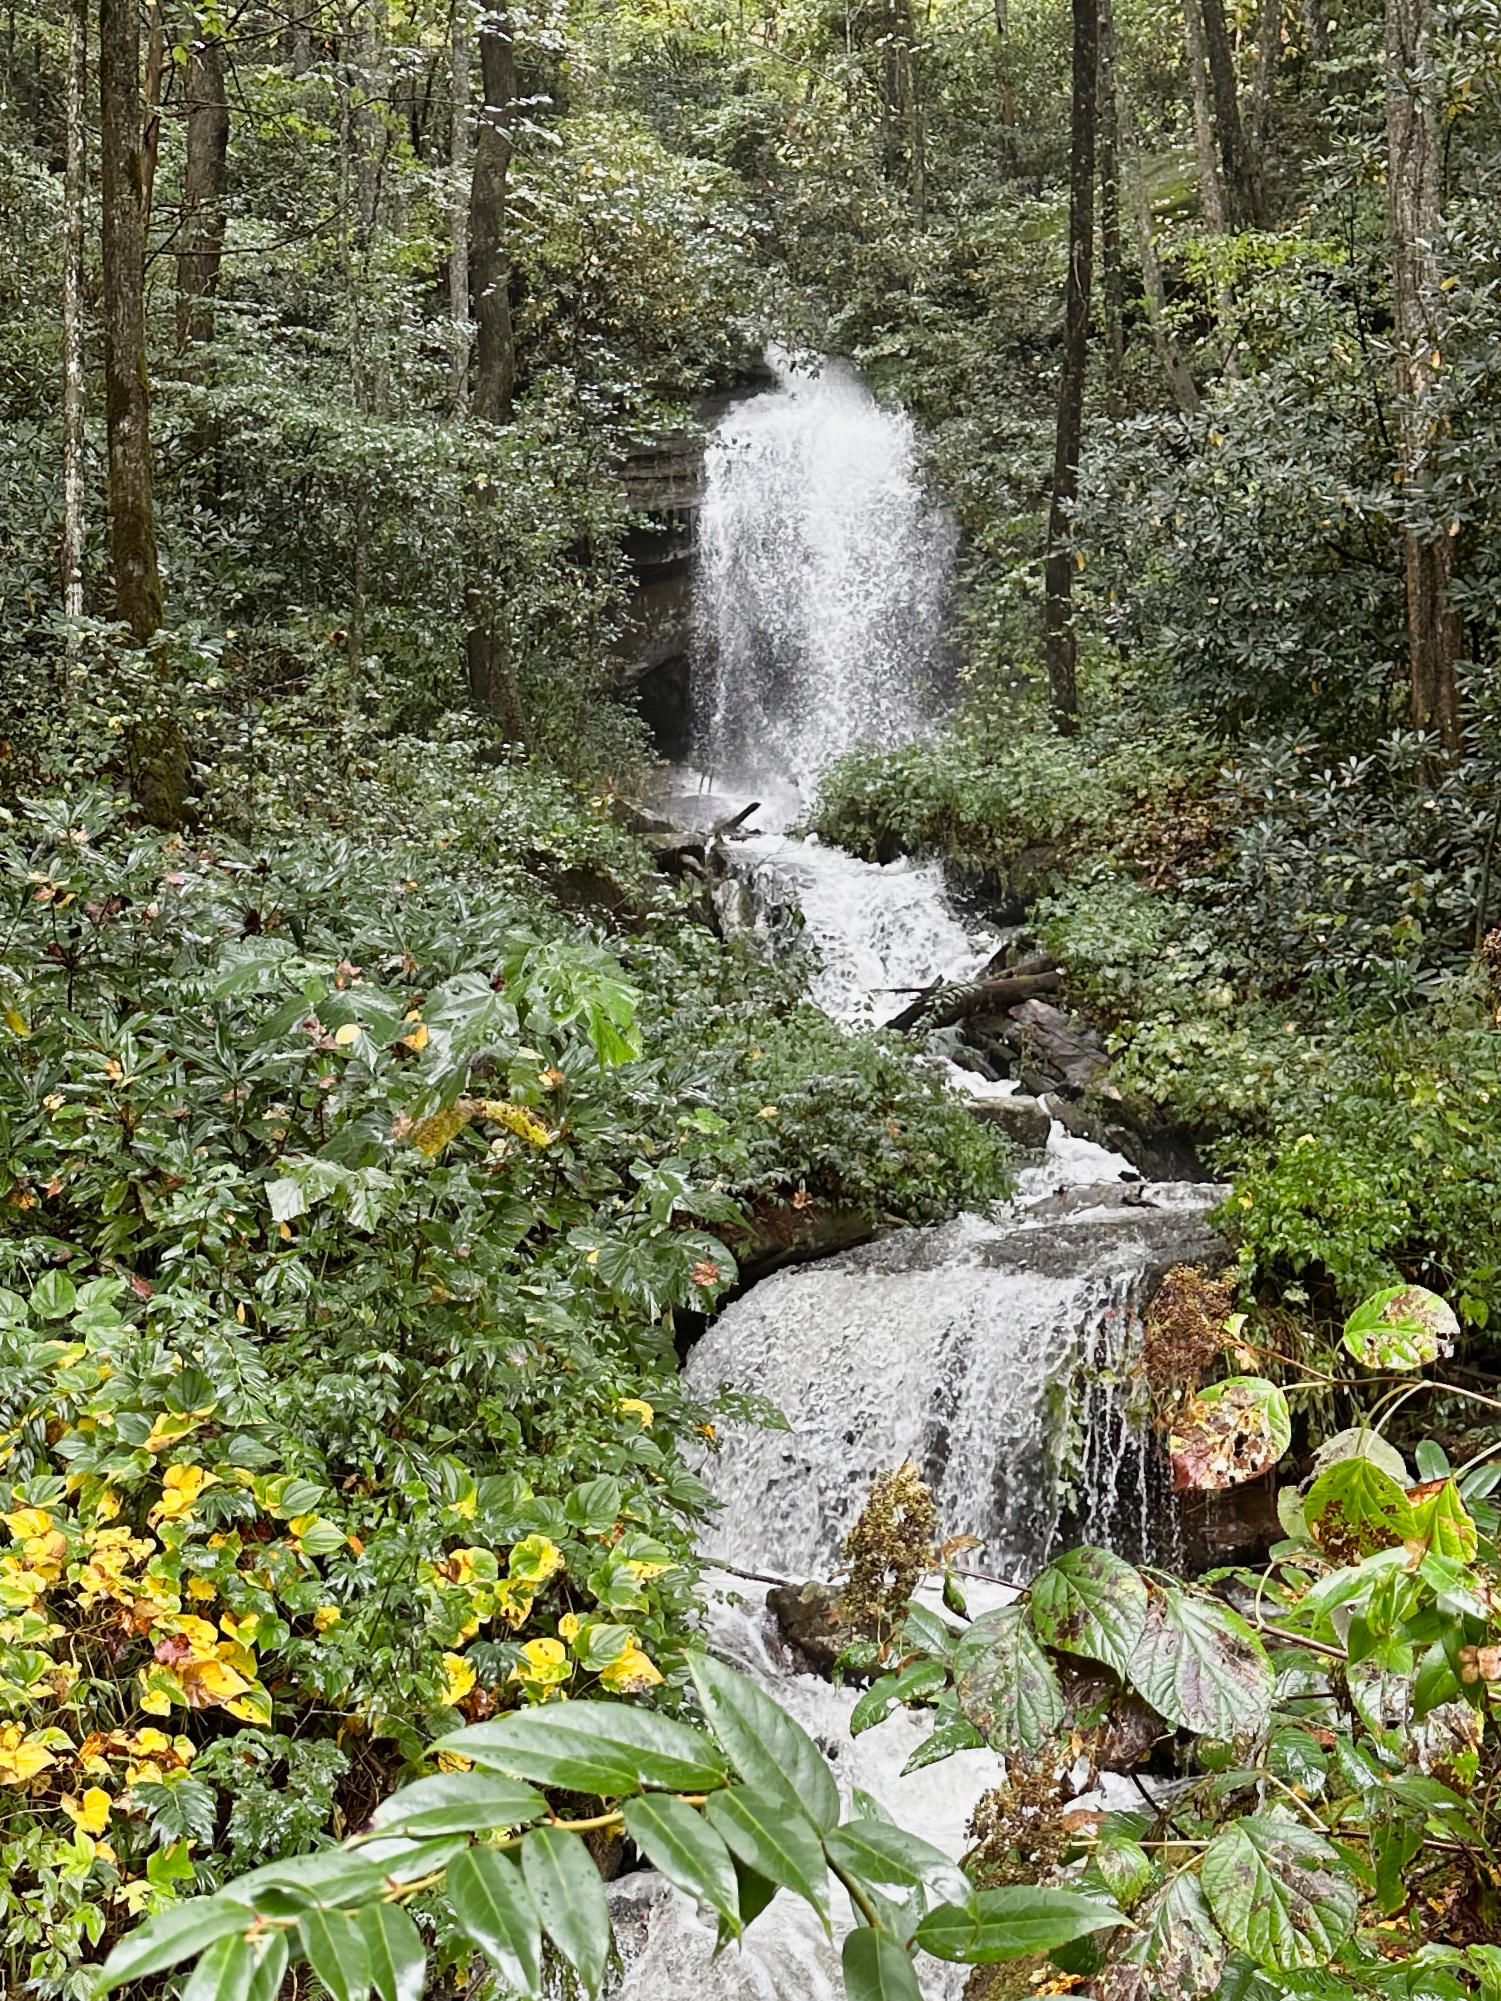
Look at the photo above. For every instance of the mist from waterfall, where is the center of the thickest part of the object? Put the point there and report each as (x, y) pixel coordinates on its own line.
(823, 574)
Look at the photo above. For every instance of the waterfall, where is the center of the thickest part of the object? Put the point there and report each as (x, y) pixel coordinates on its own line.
(823, 571)
(988, 1349)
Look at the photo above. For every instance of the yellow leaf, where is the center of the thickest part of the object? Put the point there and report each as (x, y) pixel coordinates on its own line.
(637, 1407)
(431, 1135)
(458, 1678)
(16, 1022)
(348, 1035)
(326, 1616)
(91, 1813)
(634, 1670)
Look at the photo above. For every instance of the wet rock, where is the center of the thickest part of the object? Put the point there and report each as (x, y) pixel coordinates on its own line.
(783, 1235)
(638, 819)
(1023, 1120)
(734, 908)
(809, 1619)
(1041, 1033)
(1230, 1525)
(677, 848)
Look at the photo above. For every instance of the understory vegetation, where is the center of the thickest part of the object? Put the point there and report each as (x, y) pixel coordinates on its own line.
(381, 1113)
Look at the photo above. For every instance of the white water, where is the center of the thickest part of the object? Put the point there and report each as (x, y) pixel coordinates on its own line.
(824, 571)
(823, 579)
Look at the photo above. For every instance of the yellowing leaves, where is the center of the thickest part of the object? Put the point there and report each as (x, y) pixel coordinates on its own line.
(544, 1665)
(181, 1486)
(22, 1758)
(535, 1559)
(637, 1407)
(431, 1135)
(631, 1672)
(91, 1813)
(458, 1678)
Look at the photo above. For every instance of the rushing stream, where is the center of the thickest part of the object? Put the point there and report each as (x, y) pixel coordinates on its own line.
(986, 1349)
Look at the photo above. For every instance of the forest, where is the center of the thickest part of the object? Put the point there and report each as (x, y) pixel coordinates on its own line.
(463, 1242)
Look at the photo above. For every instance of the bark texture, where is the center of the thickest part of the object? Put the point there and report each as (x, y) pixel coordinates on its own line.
(203, 189)
(1058, 571)
(461, 55)
(75, 113)
(132, 522)
(1211, 194)
(1243, 204)
(1413, 194)
(489, 261)
(1113, 273)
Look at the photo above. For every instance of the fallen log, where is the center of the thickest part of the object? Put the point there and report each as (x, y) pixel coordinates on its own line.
(942, 1009)
(722, 827)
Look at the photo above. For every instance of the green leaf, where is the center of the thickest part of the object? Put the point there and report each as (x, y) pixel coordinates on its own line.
(1009, 1923)
(180, 1932)
(1442, 1520)
(678, 1841)
(335, 1949)
(495, 1909)
(1005, 1682)
(271, 1967)
(459, 1803)
(1090, 1602)
(570, 1900)
(287, 1199)
(877, 1968)
(776, 1841)
(874, 1706)
(1360, 1442)
(1124, 1865)
(1278, 1892)
(1200, 1666)
(1177, 1951)
(876, 1852)
(225, 1972)
(1404, 1327)
(54, 1296)
(1355, 1509)
(768, 1749)
(606, 1748)
(398, 1958)
(956, 1734)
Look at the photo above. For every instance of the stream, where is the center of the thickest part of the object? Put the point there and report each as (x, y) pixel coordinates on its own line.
(987, 1349)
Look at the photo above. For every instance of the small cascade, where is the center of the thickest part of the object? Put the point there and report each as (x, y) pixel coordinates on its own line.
(957, 1347)
(823, 571)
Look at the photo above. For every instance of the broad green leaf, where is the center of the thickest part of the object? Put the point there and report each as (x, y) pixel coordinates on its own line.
(1361, 1442)
(876, 1852)
(336, 1876)
(678, 1841)
(606, 1748)
(180, 1932)
(1441, 1520)
(495, 1909)
(1177, 1951)
(956, 1733)
(926, 1630)
(570, 1900)
(1278, 1891)
(459, 1803)
(874, 1706)
(1009, 1923)
(225, 1972)
(777, 1841)
(1201, 1667)
(1403, 1327)
(1005, 1682)
(335, 1949)
(1229, 1433)
(1355, 1509)
(1090, 1602)
(877, 1968)
(768, 1749)
(1124, 1865)
(398, 1958)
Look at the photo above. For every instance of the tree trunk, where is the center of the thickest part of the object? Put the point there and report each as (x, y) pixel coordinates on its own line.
(73, 226)
(1114, 287)
(1268, 57)
(132, 522)
(489, 263)
(461, 56)
(1413, 195)
(1211, 194)
(492, 684)
(203, 186)
(1242, 189)
(158, 761)
(1317, 30)
(1176, 373)
(1058, 569)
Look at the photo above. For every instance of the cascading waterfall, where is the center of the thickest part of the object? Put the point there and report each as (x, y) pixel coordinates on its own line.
(823, 570)
(823, 575)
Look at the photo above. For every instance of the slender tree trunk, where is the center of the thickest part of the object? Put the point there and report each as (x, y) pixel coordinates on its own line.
(1211, 194)
(151, 110)
(159, 767)
(489, 260)
(461, 56)
(1243, 207)
(1058, 570)
(1268, 58)
(203, 187)
(1413, 195)
(74, 187)
(1114, 287)
(1175, 370)
(132, 522)
(1008, 88)
(1316, 27)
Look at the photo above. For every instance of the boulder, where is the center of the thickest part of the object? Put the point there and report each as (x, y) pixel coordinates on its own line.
(1023, 1120)
(810, 1620)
